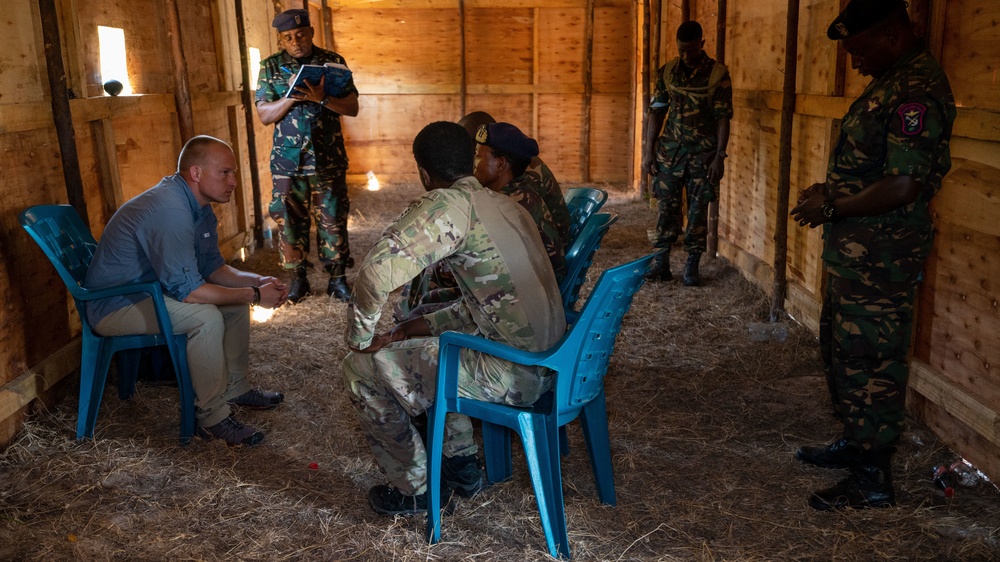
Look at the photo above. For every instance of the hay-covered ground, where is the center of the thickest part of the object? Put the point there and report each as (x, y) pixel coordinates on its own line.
(703, 425)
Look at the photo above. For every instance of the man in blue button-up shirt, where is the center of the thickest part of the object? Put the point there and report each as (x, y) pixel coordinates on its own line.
(168, 234)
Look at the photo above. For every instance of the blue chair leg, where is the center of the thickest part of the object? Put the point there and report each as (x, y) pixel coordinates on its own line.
(184, 389)
(94, 363)
(538, 434)
(563, 442)
(435, 432)
(594, 421)
(127, 361)
(496, 445)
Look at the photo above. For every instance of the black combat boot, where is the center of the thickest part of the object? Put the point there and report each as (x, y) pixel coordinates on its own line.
(337, 287)
(661, 268)
(691, 276)
(839, 454)
(299, 287)
(869, 485)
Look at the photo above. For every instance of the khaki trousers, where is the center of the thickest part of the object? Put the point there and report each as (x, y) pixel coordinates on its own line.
(217, 348)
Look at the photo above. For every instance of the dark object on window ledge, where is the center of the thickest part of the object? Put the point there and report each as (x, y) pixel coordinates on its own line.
(113, 87)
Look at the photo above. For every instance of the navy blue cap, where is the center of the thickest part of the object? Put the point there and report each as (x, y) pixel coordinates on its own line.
(291, 19)
(508, 138)
(861, 15)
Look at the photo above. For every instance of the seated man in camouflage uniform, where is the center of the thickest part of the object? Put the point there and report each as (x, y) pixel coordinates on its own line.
(509, 294)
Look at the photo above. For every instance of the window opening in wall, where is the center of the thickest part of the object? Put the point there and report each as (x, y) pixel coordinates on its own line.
(113, 65)
(254, 64)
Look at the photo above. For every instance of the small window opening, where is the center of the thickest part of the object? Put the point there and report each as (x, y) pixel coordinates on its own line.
(113, 65)
(254, 64)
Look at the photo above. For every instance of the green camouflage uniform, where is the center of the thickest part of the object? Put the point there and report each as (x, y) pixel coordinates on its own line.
(436, 286)
(509, 295)
(548, 187)
(694, 100)
(901, 125)
(309, 163)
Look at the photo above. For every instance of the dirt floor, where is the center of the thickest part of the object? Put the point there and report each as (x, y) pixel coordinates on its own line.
(703, 425)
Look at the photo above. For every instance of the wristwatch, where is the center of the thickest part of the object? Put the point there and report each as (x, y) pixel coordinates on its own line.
(829, 211)
(324, 102)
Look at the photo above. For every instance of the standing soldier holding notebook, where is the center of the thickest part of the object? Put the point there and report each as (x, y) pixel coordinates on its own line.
(308, 160)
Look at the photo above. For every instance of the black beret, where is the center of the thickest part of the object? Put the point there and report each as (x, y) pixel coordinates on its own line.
(291, 19)
(861, 15)
(508, 138)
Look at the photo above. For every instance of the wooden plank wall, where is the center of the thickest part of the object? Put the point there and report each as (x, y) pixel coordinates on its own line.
(955, 382)
(524, 63)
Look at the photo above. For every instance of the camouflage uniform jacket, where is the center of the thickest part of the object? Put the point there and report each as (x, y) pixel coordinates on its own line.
(695, 100)
(509, 292)
(308, 139)
(548, 188)
(524, 190)
(901, 125)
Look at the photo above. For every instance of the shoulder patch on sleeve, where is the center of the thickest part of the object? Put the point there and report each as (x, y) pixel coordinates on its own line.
(912, 117)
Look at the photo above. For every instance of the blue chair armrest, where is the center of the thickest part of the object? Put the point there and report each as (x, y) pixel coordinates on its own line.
(151, 288)
(496, 349)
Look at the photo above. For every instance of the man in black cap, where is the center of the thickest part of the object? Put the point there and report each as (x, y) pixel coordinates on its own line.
(308, 160)
(887, 165)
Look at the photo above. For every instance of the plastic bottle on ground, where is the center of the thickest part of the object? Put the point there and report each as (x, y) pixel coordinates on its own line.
(943, 479)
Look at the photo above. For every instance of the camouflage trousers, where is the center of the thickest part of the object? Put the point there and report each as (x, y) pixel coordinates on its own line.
(325, 196)
(864, 339)
(391, 386)
(686, 172)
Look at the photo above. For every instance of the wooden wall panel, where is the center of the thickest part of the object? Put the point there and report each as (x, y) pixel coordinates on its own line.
(969, 55)
(148, 146)
(609, 137)
(499, 45)
(199, 46)
(146, 43)
(19, 60)
(817, 55)
(514, 109)
(393, 50)
(612, 66)
(756, 45)
(560, 45)
(559, 125)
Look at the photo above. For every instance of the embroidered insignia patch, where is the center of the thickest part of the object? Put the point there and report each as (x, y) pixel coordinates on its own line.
(873, 105)
(912, 116)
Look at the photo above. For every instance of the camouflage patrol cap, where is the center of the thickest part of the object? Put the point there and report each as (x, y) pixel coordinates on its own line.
(861, 15)
(508, 138)
(291, 19)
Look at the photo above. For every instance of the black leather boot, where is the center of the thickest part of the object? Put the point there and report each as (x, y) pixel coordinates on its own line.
(337, 287)
(839, 454)
(661, 268)
(691, 276)
(869, 485)
(299, 287)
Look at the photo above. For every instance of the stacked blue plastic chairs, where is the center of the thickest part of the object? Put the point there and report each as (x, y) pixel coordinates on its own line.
(582, 203)
(580, 361)
(70, 246)
(580, 256)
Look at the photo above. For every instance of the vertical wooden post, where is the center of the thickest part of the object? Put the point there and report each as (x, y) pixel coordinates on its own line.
(182, 92)
(463, 86)
(644, 73)
(324, 12)
(588, 91)
(247, 99)
(685, 10)
(535, 53)
(60, 108)
(720, 55)
(785, 162)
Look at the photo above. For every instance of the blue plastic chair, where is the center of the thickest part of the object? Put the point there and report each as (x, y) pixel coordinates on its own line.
(579, 360)
(582, 203)
(579, 257)
(70, 246)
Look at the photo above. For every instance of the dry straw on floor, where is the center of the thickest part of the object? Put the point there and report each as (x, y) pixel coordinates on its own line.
(703, 424)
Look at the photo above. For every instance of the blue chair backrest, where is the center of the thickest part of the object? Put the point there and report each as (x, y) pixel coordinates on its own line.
(582, 202)
(580, 256)
(586, 349)
(65, 239)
